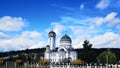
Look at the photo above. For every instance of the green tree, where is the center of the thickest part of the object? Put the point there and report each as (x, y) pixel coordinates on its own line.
(107, 57)
(87, 54)
(87, 45)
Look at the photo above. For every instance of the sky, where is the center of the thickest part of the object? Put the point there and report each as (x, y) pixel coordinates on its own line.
(25, 24)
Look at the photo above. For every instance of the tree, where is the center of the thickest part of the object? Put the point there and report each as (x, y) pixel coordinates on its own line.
(87, 54)
(107, 57)
(87, 45)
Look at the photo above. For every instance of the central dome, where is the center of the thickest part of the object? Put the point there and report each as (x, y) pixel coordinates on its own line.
(65, 39)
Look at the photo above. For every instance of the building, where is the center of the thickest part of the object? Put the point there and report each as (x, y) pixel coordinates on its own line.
(64, 51)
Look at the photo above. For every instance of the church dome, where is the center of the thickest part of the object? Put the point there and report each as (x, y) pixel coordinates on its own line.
(65, 39)
(52, 34)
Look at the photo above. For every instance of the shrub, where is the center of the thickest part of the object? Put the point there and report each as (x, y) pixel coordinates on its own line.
(18, 61)
(77, 62)
(43, 62)
(2, 61)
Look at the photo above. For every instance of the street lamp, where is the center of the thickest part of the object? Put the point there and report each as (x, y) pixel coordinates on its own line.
(107, 60)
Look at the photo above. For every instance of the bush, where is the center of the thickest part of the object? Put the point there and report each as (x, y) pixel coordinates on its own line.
(43, 62)
(19, 61)
(77, 62)
(2, 61)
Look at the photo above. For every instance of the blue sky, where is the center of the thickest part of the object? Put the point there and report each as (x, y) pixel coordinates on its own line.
(26, 23)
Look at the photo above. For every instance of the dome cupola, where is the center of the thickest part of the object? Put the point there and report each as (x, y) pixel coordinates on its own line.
(65, 40)
(52, 34)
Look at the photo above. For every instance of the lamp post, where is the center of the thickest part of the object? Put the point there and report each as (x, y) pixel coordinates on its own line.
(107, 60)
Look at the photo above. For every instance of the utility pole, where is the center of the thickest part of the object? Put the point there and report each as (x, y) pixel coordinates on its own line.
(107, 58)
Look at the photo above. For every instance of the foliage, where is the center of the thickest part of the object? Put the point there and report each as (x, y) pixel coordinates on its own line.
(37, 50)
(43, 62)
(77, 62)
(2, 61)
(107, 57)
(40, 52)
(87, 54)
(18, 61)
(11, 58)
(86, 45)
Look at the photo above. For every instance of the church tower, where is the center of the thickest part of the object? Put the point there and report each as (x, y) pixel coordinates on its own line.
(51, 40)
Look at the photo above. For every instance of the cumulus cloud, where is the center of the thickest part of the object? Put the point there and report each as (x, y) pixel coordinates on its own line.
(27, 39)
(103, 4)
(8, 23)
(108, 39)
(29, 34)
(111, 20)
(58, 28)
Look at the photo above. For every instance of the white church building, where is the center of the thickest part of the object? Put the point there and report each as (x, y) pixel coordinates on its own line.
(64, 51)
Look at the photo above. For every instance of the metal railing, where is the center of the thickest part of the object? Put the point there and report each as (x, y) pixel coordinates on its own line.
(37, 65)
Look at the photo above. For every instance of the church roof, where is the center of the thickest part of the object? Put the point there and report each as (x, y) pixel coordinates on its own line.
(65, 38)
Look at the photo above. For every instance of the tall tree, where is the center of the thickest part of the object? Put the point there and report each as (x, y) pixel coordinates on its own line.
(107, 57)
(87, 45)
(87, 54)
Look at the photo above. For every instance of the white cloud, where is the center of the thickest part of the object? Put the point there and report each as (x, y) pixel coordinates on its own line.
(78, 30)
(27, 39)
(40, 44)
(108, 39)
(118, 27)
(103, 4)
(3, 36)
(98, 20)
(62, 7)
(110, 16)
(8, 23)
(79, 21)
(32, 35)
(82, 6)
(58, 28)
(110, 19)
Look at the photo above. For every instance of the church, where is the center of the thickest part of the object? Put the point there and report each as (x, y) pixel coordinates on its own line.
(64, 51)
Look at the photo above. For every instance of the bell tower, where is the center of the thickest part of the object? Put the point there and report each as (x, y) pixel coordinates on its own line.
(52, 39)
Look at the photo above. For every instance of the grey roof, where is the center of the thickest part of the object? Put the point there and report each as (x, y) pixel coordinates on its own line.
(65, 38)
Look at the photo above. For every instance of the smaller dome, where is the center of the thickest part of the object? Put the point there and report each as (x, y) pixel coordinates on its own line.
(52, 34)
(66, 39)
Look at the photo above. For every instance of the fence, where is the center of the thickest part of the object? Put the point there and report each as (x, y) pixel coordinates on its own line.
(37, 65)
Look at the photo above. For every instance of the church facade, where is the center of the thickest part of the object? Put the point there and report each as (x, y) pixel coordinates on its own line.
(64, 51)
